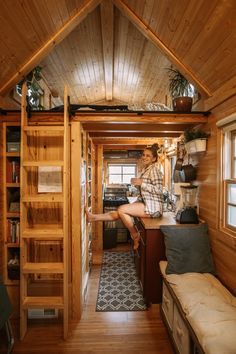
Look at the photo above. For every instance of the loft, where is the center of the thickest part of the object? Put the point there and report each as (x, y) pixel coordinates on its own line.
(107, 54)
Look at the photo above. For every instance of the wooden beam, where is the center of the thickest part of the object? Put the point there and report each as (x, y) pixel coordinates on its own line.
(124, 141)
(107, 45)
(49, 45)
(153, 118)
(135, 128)
(126, 147)
(154, 39)
(133, 134)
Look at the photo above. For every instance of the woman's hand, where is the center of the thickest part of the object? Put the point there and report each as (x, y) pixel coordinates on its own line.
(136, 181)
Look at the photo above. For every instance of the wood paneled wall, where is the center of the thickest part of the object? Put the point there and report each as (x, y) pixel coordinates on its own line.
(1, 201)
(223, 245)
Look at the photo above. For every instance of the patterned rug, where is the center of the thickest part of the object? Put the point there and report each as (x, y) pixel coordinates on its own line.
(119, 288)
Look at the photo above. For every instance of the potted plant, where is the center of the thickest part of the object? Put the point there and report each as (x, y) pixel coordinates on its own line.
(195, 140)
(34, 90)
(181, 91)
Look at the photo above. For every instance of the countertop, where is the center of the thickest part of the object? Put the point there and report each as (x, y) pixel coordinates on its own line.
(168, 218)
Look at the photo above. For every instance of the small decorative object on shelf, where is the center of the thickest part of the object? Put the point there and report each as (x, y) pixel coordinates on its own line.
(181, 91)
(195, 140)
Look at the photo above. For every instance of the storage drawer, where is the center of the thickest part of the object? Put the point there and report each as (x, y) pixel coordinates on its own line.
(167, 305)
(180, 333)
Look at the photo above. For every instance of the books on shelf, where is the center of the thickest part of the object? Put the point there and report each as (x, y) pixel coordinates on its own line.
(13, 230)
(12, 171)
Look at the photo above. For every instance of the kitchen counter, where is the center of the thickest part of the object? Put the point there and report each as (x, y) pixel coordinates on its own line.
(168, 218)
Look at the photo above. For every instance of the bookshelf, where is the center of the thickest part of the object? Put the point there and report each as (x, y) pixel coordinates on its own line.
(11, 203)
(89, 203)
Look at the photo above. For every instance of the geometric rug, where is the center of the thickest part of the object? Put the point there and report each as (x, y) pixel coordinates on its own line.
(119, 288)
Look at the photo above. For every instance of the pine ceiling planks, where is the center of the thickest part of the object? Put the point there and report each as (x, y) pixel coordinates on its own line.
(200, 34)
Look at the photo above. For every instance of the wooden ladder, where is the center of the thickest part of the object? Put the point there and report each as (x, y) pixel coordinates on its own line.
(31, 199)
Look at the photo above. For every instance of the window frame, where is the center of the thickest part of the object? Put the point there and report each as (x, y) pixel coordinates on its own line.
(122, 164)
(228, 175)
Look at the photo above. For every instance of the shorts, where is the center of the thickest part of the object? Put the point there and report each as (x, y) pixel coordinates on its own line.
(157, 214)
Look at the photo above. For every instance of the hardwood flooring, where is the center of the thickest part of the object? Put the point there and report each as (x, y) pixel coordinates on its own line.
(98, 332)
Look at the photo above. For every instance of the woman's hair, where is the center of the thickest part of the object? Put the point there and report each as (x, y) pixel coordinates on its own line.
(153, 148)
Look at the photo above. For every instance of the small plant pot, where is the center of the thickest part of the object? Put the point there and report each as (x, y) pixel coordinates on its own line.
(197, 145)
(200, 144)
(182, 104)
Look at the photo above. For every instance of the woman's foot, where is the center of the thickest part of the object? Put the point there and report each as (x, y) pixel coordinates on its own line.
(90, 216)
(136, 240)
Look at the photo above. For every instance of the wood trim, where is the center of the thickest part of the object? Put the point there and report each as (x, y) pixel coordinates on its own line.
(154, 39)
(107, 45)
(75, 220)
(152, 118)
(106, 128)
(50, 45)
(142, 134)
(98, 237)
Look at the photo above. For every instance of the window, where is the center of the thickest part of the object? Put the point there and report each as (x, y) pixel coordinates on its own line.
(229, 178)
(121, 173)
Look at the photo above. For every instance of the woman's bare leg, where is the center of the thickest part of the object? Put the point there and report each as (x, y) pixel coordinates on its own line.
(126, 214)
(110, 216)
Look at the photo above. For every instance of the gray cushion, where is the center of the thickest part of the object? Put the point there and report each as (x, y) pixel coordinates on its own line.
(187, 249)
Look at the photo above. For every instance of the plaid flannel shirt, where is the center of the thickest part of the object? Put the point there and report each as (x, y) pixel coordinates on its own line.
(151, 190)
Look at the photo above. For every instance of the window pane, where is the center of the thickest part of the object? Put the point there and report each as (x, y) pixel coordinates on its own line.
(234, 169)
(231, 216)
(114, 169)
(232, 193)
(129, 170)
(115, 179)
(127, 178)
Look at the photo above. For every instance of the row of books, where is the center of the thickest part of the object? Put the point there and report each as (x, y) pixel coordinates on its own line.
(13, 171)
(13, 230)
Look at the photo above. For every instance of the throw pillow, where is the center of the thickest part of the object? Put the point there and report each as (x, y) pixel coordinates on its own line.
(187, 249)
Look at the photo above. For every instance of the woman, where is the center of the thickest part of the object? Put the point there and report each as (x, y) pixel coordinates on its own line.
(150, 201)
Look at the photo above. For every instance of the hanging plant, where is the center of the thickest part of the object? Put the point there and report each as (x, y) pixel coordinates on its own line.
(34, 90)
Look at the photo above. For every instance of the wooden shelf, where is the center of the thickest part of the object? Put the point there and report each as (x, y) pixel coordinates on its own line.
(12, 154)
(12, 245)
(12, 185)
(45, 268)
(43, 233)
(43, 302)
(30, 128)
(43, 163)
(12, 215)
(43, 198)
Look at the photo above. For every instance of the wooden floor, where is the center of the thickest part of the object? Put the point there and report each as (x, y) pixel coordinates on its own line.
(99, 332)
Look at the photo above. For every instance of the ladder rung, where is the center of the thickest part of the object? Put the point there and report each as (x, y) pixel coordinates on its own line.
(43, 198)
(43, 302)
(43, 233)
(45, 268)
(43, 163)
(44, 128)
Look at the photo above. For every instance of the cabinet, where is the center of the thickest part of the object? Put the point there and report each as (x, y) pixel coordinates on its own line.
(151, 250)
(11, 203)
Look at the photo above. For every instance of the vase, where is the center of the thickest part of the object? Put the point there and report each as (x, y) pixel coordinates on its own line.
(182, 104)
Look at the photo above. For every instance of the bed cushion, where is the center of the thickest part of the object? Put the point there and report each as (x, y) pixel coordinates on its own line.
(187, 249)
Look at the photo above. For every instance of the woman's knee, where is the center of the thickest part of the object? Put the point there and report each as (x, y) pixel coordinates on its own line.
(114, 215)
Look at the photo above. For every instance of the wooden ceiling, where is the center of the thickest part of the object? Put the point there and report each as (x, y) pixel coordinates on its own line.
(117, 51)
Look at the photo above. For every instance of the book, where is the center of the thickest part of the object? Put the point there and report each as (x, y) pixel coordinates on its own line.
(12, 171)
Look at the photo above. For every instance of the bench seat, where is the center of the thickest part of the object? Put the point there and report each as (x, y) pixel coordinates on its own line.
(209, 308)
